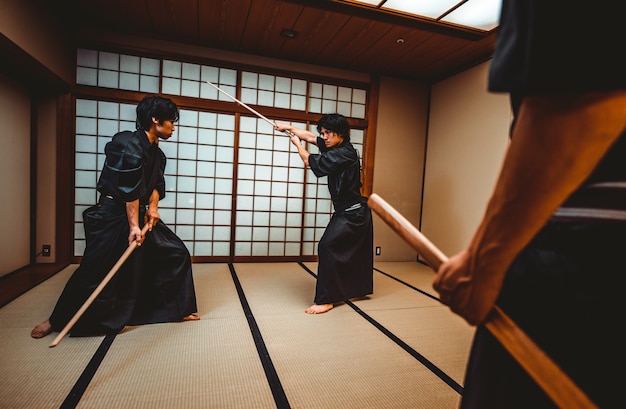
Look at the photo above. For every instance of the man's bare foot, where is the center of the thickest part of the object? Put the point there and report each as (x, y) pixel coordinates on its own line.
(41, 330)
(319, 308)
(191, 317)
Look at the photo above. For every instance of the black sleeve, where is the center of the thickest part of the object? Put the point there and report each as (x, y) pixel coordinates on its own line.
(332, 160)
(123, 172)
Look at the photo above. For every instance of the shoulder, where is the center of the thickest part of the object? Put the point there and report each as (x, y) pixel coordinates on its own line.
(127, 140)
(341, 155)
(123, 136)
(125, 150)
(347, 150)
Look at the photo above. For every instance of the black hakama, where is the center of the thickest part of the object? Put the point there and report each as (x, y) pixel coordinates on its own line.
(346, 260)
(154, 285)
(345, 268)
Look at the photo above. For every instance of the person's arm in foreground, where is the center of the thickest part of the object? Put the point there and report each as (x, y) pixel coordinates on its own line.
(556, 144)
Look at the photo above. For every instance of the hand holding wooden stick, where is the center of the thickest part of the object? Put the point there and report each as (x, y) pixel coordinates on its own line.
(131, 247)
(554, 382)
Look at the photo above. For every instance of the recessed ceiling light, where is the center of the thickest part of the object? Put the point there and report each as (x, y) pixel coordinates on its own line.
(288, 33)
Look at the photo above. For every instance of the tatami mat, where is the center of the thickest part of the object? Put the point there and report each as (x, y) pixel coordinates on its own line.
(33, 375)
(333, 360)
(425, 324)
(211, 363)
(336, 359)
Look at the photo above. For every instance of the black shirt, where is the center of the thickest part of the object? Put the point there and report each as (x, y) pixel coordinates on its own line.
(342, 166)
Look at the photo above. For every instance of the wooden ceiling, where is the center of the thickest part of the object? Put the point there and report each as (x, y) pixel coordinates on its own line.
(326, 33)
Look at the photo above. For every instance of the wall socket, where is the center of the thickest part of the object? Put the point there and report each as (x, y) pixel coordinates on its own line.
(45, 250)
(378, 251)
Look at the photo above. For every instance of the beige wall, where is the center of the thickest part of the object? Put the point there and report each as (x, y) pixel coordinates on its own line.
(450, 146)
(27, 25)
(14, 176)
(46, 119)
(399, 160)
(467, 137)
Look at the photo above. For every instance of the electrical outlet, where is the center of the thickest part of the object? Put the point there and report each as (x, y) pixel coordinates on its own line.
(378, 251)
(45, 251)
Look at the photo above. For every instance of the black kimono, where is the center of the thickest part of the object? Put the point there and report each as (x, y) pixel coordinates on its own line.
(346, 261)
(155, 284)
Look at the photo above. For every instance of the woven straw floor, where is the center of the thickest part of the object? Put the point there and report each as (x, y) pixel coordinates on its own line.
(254, 347)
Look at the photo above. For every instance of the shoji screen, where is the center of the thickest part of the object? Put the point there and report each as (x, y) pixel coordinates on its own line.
(234, 187)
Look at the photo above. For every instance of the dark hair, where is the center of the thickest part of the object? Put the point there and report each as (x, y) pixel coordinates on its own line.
(158, 107)
(335, 123)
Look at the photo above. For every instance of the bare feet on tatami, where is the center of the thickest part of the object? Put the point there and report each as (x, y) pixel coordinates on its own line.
(191, 317)
(319, 308)
(41, 330)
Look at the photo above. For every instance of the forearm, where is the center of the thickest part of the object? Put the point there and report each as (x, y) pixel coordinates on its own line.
(132, 213)
(304, 154)
(555, 146)
(152, 214)
(302, 134)
(134, 231)
(153, 203)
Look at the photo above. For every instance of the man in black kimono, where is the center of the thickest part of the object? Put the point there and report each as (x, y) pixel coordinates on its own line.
(156, 283)
(346, 261)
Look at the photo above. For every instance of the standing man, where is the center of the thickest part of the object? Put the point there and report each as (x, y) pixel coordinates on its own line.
(549, 249)
(156, 283)
(346, 260)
